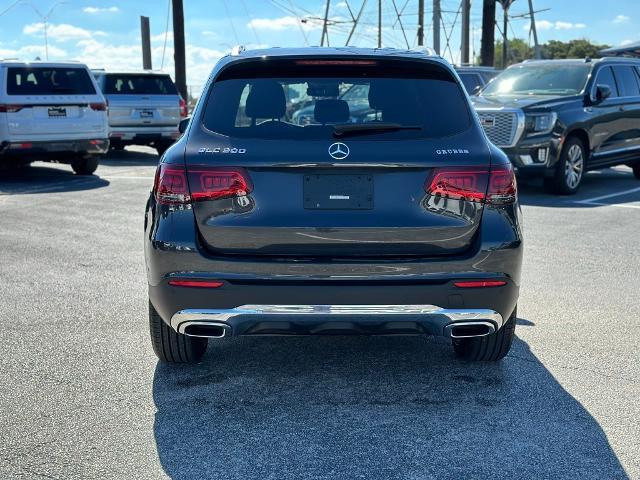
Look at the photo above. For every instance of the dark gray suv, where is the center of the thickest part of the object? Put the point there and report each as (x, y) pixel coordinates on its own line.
(399, 220)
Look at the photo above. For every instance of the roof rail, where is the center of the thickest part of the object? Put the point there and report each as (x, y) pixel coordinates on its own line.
(237, 50)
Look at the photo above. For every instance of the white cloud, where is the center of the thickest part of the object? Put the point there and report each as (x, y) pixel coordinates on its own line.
(342, 5)
(30, 52)
(282, 23)
(621, 19)
(161, 36)
(100, 10)
(627, 42)
(558, 25)
(61, 32)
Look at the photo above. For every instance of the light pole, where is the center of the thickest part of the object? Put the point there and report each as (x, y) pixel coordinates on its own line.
(45, 23)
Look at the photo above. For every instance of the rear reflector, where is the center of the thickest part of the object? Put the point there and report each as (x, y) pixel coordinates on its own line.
(474, 184)
(98, 107)
(174, 186)
(4, 108)
(195, 283)
(96, 142)
(480, 284)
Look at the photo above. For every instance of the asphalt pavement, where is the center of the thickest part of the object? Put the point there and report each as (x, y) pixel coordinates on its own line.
(82, 395)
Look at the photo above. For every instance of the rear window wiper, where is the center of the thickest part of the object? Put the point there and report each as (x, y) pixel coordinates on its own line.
(365, 128)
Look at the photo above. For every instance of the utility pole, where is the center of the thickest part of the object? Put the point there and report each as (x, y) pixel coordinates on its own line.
(487, 43)
(179, 49)
(538, 53)
(505, 24)
(45, 21)
(421, 23)
(145, 33)
(324, 25)
(379, 23)
(436, 26)
(355, 22)
(464, 40)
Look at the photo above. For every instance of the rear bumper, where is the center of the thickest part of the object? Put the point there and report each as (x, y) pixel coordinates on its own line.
(336, 319)
(55, 149)
(143, 135)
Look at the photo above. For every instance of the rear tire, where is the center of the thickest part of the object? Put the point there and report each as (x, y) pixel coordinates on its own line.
(489, 348)
(85, 165)
(569, 170)
(171, 346)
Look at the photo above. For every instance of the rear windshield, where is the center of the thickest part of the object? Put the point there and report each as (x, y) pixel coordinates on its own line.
(139, 84)
(49, 81)
(310, 99)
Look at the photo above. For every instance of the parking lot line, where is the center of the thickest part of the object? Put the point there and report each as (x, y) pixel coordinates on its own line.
(623, 205)
(594, 200)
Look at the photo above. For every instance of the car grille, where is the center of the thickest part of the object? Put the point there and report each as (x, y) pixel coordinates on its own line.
(500, 127)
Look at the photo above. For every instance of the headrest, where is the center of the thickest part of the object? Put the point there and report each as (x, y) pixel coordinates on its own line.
(331, 111)
(265, 100)
(380, 94)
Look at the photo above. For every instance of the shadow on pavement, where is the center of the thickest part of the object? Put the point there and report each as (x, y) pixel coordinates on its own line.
(46, 178)
(594, 184)
(371, 407)
(131, 158)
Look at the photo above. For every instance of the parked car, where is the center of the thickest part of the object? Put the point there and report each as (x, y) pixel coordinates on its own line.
(144, 108)
(557, 119)
(405, 223)
(52, 112)
(475, 78)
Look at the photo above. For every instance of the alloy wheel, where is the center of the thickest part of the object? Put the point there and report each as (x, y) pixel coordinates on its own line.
(574, 166)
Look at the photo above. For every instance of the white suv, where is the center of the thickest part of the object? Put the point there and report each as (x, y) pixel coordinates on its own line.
(52, 112)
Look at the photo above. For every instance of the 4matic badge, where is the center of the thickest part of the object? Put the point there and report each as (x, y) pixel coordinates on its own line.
(207, 150)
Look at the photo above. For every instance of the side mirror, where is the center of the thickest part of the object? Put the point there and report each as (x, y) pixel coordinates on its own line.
(184, 123)
(476, 90)
(602, 93)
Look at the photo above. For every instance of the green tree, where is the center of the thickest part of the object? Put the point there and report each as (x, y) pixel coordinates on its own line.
(517, 51)
(580, 48)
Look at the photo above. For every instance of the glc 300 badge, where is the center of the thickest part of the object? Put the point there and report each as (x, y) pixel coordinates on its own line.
(338, 150)
(222, 150)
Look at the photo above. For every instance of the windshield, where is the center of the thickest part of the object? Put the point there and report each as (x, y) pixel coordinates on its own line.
(540, 79)
(307, 102)
(139, 84)
(49, 81)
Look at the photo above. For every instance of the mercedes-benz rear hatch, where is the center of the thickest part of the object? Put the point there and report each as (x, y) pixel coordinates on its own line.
(387, 162)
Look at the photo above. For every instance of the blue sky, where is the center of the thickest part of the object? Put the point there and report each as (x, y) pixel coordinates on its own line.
(105, 33)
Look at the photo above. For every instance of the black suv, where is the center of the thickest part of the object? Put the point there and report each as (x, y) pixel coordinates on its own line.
(559, 118)
(401, 221)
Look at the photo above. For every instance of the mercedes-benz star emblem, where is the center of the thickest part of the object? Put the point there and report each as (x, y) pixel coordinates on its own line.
(338, 150)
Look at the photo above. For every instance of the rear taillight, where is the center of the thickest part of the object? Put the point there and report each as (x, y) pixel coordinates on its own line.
(173, 186)
(215, 183)
(98, 107)
(183, 108)
(5, 108)
(474, 184)
(502, 185)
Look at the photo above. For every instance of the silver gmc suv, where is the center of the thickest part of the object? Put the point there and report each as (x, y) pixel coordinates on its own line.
(144, 108)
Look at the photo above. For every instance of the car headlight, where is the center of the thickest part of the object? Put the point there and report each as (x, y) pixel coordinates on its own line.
(540, 122)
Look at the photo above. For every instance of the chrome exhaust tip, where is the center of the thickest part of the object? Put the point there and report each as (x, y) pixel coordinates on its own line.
(469, 329)
(206, 329)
